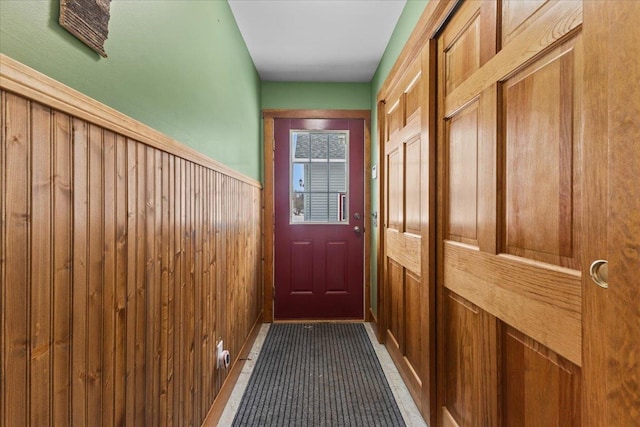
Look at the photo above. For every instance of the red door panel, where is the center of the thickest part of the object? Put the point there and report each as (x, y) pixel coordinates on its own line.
(319, 266)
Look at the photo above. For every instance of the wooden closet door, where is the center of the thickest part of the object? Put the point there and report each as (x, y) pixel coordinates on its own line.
(407, 298)
(510, 102)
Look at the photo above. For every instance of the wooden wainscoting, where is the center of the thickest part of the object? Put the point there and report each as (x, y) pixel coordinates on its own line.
(124, 258)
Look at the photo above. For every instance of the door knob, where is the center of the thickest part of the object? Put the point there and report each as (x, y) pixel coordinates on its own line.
(599, 272)
(357, 229)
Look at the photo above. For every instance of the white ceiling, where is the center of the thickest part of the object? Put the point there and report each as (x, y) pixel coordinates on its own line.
(316, 40)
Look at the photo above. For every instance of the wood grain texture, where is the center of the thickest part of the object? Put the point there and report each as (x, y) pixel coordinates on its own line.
(447, 418)
(539, 387)
(428, 201)
(412, 86)
(595, 350)
(413, 325)
(80, 233)
(488, 171)
(532, 230)
(405, 249)
(412, 186)
(16, 264)
(521, 263)
(383, 202)
(620, 323)
(41, 271)
(394, 186)
(517, 15)
(62, 267)
(471, 369)
(111, 251)
(543, 303)
(395, 295)
(557, 21)
(394, 117)
(268, 218)
(409, 330)
(462, 147)
(462, 45)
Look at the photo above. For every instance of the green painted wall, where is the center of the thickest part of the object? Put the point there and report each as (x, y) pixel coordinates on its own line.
(180, 67)
(316, 96)
(407, 22)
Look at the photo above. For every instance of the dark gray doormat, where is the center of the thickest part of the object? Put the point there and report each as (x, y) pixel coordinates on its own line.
(319, 374)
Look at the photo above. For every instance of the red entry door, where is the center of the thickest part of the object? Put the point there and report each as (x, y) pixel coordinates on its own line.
(319, 219)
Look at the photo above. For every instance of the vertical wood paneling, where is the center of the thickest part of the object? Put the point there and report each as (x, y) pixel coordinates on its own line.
(207, 347)
(156, 285)
(170, 292)
(189, 318)
(151, 386)
(62, 270)
(109, 275)
(180, 273)
(121, 234)
(40, 265)
(164, 291)
(140, 325)
(95, 282)
(80, 234)
(17, 209)
(122, 266)
(197, 291)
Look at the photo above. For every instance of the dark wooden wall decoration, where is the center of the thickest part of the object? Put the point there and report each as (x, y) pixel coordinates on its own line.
(124, 258)
(88, 20)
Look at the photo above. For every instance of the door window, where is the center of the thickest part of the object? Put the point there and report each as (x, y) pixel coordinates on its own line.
(319, 177)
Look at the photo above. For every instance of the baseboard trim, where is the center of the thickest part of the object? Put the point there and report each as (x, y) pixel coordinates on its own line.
(221, 400)
(373, 319)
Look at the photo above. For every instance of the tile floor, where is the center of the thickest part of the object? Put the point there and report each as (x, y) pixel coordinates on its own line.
(407, 407)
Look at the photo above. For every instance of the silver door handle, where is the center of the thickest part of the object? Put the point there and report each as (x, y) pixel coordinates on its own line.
(599, 272)
(357, 229)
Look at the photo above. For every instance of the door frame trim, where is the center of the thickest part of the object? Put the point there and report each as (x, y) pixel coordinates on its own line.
(268, 201)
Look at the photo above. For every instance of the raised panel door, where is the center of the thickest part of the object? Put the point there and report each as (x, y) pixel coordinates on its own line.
(405, 287)
(319, 218)
(510, 169)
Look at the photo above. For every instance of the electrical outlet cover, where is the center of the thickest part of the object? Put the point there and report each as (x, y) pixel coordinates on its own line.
(219, 349)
